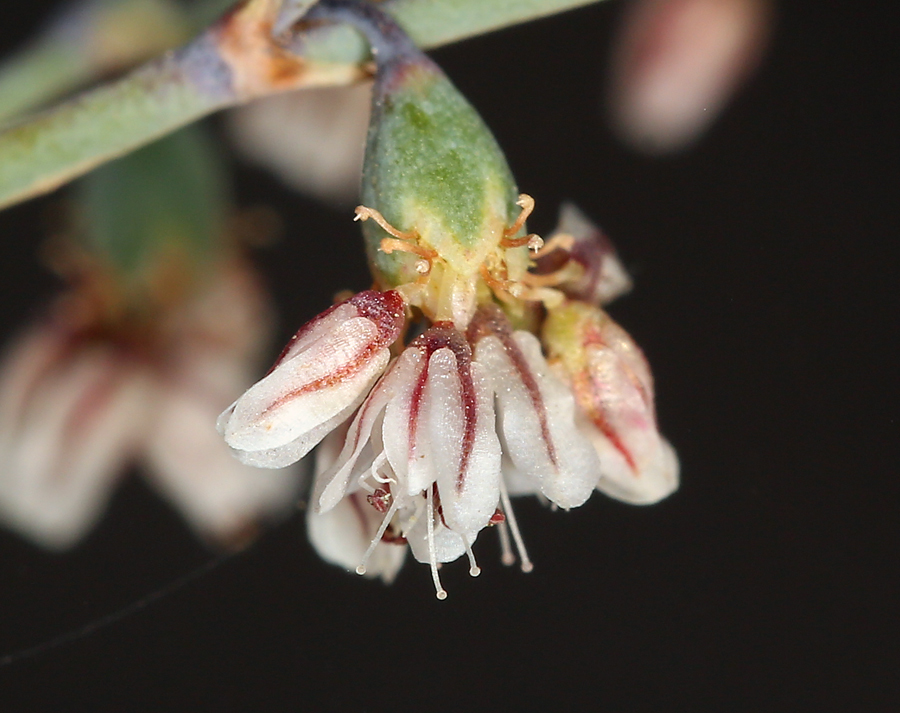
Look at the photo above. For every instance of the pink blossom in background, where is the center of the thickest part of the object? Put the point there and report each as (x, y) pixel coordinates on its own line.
(676, 63)
(82, 399)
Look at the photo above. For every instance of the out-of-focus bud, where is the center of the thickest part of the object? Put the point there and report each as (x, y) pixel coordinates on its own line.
(220, 336)
(70, 419)
(602, 277)
(613, 386)
(677, 63)
(323, 374)
(313, 139)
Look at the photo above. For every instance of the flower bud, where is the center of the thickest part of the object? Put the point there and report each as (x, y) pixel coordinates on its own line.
(321, 377)
(432, 166)
(613, 386)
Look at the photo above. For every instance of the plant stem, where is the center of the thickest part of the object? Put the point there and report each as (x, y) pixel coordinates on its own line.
(235, 60)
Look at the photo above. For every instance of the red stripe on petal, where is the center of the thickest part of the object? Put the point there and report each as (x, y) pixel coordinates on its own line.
(490, 321)
(443, 335)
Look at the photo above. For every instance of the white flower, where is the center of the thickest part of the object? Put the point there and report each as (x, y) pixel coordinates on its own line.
(79, 402)
(320, 378)
(536, 412)
(426, 437)
(426, 449)
(612, 383)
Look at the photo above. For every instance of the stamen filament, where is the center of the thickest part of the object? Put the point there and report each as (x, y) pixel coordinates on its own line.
(439, 591)
(363, 213)
(534, 242)
(527, 564)
(570, 271)
(562, 241)
(361, 569)
(390, 245)
(474, 569)
(506, 554)
(379, 461)
(499, 287)
(526, 203)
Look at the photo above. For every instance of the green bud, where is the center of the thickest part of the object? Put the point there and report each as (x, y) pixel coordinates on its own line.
(159, 208)
(432, 167)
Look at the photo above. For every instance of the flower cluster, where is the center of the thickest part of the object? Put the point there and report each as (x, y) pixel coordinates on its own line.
(426, 446)
(481, 367)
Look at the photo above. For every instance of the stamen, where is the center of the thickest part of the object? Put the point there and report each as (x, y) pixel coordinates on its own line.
(527, 565)
(506, 554)
(363, 213)
(361, 481)
(561, 241)
(534, 242)
(412, 520)
(570, 271)
(361, 569)
(526, 203)
(500, 288)
(379, 461)
(548, 295)
(474, 569)
(439, 591)
(390, 245)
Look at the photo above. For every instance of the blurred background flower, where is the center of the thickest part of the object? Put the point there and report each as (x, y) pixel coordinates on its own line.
(160, 324)
(676, 63)
(313, 139)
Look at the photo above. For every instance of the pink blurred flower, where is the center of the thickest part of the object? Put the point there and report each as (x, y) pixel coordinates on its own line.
(84, 394)
(676, 64)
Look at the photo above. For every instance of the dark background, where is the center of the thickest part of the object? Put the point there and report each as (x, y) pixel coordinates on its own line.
(765, 298)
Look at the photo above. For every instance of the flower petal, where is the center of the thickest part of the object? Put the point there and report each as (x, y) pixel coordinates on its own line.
(219, 496)
(333, 483)
(536, 412)
(603, 278)
(67, 435)
(464, 448)
(321, 377)
(448, 544)
(342, 535)
(614, 388)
